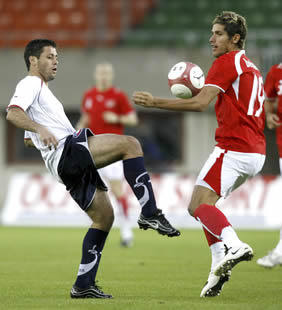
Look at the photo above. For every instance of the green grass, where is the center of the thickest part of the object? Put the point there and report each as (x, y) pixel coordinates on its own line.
(38, 267)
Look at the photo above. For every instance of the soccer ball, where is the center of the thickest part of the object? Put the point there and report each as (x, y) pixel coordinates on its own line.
(185, 79)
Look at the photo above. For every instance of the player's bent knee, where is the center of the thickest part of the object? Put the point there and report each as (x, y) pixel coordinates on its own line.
(191, 210)
(134, 146)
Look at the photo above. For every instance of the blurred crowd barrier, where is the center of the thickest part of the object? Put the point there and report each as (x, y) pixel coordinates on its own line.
(39, 200)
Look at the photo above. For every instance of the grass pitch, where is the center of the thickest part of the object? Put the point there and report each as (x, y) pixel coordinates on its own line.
(38, 267)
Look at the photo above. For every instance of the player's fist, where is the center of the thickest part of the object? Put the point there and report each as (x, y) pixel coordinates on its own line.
(111, 117)
(272, 120)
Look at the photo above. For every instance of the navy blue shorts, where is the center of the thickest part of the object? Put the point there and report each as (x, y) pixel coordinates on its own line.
(77, 169)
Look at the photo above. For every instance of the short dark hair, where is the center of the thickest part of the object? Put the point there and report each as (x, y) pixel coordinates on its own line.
(35, 48)
(234, 23)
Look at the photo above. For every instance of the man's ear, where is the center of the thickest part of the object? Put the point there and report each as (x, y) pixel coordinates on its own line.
(236, 38)
(33, 60)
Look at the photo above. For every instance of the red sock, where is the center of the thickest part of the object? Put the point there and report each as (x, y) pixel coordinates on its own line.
(211, 218)
(123, 202)
(210, 238)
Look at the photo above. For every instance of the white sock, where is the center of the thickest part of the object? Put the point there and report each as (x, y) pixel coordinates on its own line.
(217, 252)
(230, 238)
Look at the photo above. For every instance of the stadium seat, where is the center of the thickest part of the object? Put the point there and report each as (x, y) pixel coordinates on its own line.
(184, 18)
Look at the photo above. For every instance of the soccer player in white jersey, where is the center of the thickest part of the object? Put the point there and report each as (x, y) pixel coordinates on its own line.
(74, 157)
(240, 148)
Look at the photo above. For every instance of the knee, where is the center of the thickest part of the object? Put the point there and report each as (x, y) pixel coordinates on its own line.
(134, 146)
(191, 208)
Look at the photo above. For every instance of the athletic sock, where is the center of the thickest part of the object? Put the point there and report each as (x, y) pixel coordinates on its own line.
(230, 238)
(211, 239)
(217, 252)
(92, 247)
(212, 219)
(124, 205)
(125, 224)
(140, 183)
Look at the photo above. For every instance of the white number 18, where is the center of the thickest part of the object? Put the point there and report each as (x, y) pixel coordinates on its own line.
(257, 94)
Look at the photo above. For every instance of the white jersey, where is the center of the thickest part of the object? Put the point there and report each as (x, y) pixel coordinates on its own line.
(36, 99)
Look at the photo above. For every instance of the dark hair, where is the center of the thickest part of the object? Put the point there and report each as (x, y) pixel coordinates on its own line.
(35, 48)
(234, 24)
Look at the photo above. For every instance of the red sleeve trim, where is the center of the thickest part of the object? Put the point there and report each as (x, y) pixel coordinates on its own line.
(14, 106)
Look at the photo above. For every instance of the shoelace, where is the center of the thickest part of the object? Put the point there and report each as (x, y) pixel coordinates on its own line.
(226, 249)
(163, 220)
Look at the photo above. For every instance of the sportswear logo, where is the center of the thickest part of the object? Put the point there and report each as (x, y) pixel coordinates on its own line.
(84, 268)
(233, 253)
(93, 251)
(77, 133)
(145, 198)
(198, 77)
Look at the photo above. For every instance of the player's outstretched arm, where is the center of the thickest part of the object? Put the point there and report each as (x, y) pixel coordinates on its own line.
(199, 103)
(21, 120)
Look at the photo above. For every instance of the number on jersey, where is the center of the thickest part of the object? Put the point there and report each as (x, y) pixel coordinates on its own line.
(257, 95)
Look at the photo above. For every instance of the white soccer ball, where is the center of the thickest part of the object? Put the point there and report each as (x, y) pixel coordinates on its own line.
(185, 79)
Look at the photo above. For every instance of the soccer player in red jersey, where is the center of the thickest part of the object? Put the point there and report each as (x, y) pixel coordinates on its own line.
(106, 109)
(240, 149)
(273, 110)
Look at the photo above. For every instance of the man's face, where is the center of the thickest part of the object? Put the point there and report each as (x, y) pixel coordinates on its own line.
(220, 41)
(47, 63)
(104, 76)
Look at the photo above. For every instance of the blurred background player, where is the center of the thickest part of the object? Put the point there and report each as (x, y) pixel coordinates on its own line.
(240, 148)
(273, 110)
(106, 109)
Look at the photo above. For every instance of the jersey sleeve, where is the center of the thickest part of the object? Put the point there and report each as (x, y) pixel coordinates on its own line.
(222, 73)
(124, 103)
(269, 85)
(26, 92)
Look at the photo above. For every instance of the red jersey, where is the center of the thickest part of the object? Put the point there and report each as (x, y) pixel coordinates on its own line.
(273, 89)
(239, 107)
(96, 102)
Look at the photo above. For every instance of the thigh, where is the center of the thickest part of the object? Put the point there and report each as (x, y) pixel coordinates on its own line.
(107, 148)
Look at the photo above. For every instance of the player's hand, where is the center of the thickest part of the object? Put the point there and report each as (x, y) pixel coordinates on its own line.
(272, 120)
(111, 117)
(143, 98)
(47, 137)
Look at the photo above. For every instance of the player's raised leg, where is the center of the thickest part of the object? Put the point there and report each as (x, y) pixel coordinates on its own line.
(109, 148)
